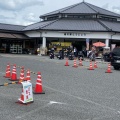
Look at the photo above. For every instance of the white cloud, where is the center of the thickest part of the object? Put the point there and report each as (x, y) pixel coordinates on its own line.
(116, 9)
(24, 12)
(19, 4)
(31, 17)
(106, 6)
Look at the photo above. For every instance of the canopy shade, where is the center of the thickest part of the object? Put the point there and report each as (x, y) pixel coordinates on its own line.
(99, 44)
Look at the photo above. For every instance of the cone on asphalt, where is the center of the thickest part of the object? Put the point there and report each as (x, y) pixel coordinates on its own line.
(108, 69)
(90, 67)
(8, 73)
(95, 65)
(75, 64)
(28, 78)
(66, 63)
(38, 88)
(21, 99)
(14, 74)
(21, 79)
(80, 63)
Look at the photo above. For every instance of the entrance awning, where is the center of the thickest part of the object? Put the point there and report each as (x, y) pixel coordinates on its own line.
(13, 35)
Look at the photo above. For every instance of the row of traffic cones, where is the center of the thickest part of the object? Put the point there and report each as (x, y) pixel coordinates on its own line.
(38, 89)
(13, 77)
(75, 64)
(90, 66)
(95, 66)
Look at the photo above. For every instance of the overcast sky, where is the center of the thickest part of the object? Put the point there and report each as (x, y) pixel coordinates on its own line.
(25, 12)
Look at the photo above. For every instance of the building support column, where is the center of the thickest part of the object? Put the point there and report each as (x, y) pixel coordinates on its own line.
(44, 42)
(43, 49)
(107, 42)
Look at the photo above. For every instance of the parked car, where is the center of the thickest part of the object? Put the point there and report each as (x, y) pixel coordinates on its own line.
(115, 58)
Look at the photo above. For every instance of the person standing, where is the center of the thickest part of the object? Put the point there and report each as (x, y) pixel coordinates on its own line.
(75, 51)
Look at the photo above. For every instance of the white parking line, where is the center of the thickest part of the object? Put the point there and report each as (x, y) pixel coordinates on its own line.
(86, 100)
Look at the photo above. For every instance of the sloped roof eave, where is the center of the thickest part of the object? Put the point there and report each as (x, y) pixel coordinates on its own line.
(77, 30)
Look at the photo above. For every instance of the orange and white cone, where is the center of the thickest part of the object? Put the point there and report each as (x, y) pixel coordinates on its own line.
(21, 99)
(8, 74)
(21, 75)
(66, 64)
(90, 67)
(80, 63)
(28, 78)
(109, 69)
(75, 64)
(95, 65)
(38, 88)
(14, 74)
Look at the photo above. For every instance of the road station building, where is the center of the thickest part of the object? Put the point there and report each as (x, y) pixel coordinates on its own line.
(74, 25)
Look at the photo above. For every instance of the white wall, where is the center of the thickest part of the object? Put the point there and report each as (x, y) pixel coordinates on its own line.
(60, 34)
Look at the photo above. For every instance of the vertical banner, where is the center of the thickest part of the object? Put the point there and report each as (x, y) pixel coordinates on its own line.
(87, 44)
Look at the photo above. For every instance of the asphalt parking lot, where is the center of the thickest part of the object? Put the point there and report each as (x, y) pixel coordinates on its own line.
(70, 93)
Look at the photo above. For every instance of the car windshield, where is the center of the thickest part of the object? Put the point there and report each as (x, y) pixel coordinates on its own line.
(116, 51)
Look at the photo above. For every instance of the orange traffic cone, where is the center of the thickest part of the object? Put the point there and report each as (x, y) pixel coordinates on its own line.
(90, 67)
(21, 99)
(38, 87)
(66, 64)
(109, 69)
(28, 76)
(95, 65)
(8, 74)
(80, 63)
(21, 75)
(14, 75)
(75, 64)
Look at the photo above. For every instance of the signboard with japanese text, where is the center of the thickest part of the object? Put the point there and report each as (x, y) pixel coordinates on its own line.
(27, 92)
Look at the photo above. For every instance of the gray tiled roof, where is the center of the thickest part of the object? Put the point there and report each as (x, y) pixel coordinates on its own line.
(115, 26)
(38, 25)
(13, 35)
(75, 25)
(102, 11)
(11, 27)
(79, 25)
(83, 8)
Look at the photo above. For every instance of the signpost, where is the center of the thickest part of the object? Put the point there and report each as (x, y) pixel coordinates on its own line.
(27, 94)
